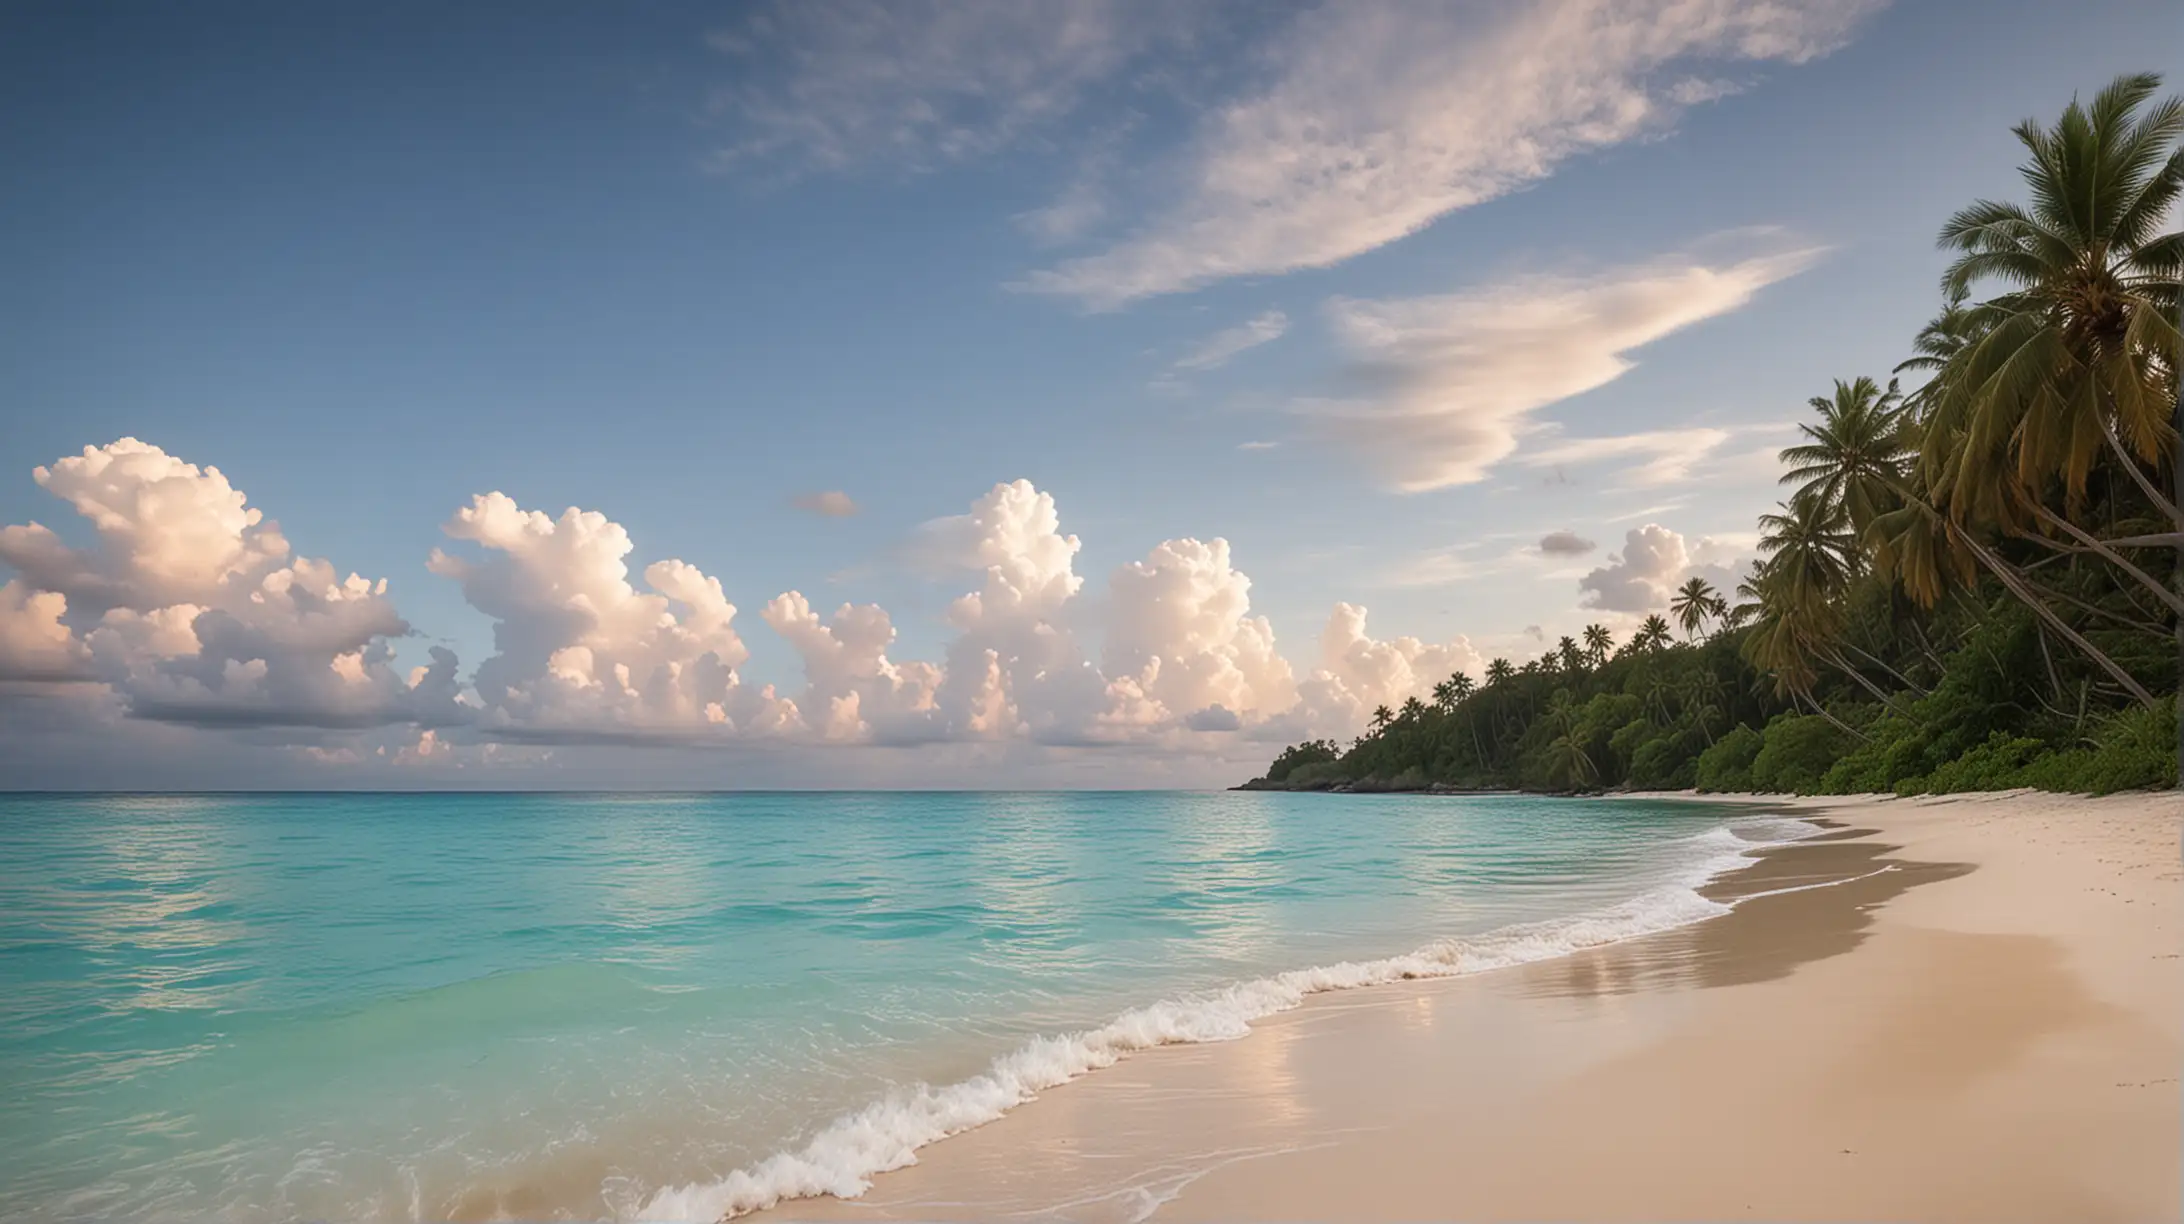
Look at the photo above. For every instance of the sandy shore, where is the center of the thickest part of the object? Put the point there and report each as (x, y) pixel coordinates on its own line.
(1977, 1016)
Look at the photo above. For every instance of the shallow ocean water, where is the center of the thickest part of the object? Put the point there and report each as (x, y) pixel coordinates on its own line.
(395, 1007)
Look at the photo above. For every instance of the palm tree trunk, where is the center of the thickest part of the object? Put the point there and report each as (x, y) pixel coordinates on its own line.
(2016, 585)
(2176, 475)
(2100, 547)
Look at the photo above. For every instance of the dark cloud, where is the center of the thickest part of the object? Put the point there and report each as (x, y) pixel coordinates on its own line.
(1565, 544)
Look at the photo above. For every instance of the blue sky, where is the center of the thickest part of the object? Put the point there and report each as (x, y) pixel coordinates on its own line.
(683, 265)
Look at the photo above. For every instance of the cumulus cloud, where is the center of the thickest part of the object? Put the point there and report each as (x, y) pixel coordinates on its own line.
(34, 643)
(853, 691)
(1381, 117)
(1447, 383)
(583, 655)
(1222, 346)
(190, 609)
(1180, 634)
(834, 85)
(1565, 544)
(832, 503)
(1653, 563)
(1358, 672)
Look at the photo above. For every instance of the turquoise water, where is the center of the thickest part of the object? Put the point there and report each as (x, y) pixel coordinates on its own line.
(395, 1007)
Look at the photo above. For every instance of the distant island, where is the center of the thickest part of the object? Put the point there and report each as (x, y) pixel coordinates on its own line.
(1973, 585)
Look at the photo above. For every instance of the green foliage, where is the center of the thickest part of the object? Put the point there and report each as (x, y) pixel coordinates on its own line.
(1311, 752)
(1796, 751)
(1727, 766)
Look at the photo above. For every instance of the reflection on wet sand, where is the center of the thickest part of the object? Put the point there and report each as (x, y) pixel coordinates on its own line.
(1778, 924)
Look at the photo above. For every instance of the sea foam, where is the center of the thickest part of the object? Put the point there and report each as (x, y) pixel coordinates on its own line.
(844, 1157)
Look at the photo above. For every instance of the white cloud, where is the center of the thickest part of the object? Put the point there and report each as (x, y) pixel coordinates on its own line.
(1382, 117)
(853, 690)
(589, 655)
(1180, 634)
(34, 644)
(189, 610)
(1015, 668)
(1666, 456)
(1358, 672)
(1219, 348)
(1448, 382)
(585, 656)
(841, 84)
(1654, 562)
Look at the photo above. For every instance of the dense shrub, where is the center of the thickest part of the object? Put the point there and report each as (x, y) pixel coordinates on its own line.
(1796, 751)
(1727, 766)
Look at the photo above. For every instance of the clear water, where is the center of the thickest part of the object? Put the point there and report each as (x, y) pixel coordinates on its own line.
(415, 1006)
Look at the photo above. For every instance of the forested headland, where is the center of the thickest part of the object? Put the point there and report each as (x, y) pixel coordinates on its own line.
(1974, 582)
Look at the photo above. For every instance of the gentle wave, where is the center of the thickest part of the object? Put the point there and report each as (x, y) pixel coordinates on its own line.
(843, 1158)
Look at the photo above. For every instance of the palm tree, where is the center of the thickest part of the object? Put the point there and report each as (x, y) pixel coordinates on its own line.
(1462, 685)
(2079, 352)
(1382, 716)
(1413, 709)
(1652, 633)
(1855, 455)
(1571, 658)
(1444, 696)
(1696, 601)
(1598, 642)
(1498, 671)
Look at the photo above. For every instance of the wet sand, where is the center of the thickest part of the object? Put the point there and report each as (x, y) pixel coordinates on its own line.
(1964, 1009)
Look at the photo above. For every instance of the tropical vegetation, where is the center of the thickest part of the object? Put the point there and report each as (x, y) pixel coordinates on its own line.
(1975, 583)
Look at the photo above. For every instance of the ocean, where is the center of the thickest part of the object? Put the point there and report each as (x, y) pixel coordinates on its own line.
(555, 1006)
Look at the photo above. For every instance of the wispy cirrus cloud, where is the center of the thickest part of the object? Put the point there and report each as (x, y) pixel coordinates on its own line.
(1221, 347)
(1381, 118)
(830, 85)
(1444, 385)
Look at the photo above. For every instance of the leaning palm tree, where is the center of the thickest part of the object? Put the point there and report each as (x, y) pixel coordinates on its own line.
(1598, 642)
(1854, 455)
(2078, 353)
(1694, 603)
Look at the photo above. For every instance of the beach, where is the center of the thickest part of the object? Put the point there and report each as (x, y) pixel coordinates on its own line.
(1962, 1008)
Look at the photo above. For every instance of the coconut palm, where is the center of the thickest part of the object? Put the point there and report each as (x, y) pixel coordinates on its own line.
(1569, 656)
(1695, 602)
(1598, 642)
(1498, 671)
(1652, 634)
(1461, 683)
(1854, 456)
(1444, 696)
(1382, 716)
(2079, 352)
(1413, 709)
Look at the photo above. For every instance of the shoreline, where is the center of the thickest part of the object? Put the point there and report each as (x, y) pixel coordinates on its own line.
(2023, 923)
